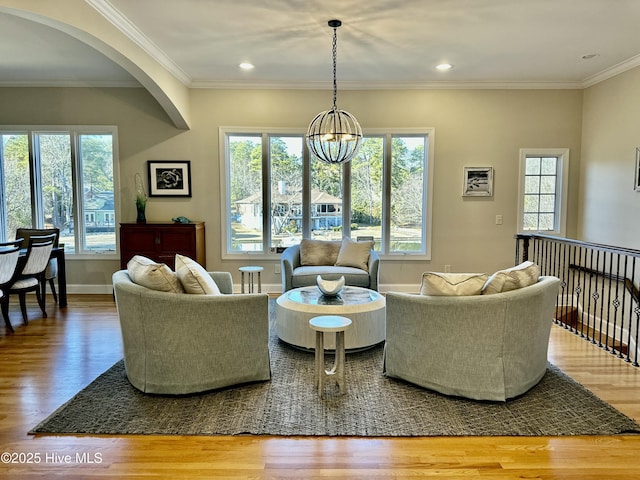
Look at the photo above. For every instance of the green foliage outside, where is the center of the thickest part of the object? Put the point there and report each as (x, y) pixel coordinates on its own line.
(366, 177)
(54, 155)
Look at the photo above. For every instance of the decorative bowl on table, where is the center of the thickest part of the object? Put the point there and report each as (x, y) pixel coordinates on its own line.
(330, 288)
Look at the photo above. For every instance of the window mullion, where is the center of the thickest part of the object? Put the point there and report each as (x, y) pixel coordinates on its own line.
(266, 192)
(557, 200)
(386, 197)
(76, 178)
(35, 174)
(306, 191)
(346, 199)
(4, 234)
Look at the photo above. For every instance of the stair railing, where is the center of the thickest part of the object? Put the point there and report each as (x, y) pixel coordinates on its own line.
(599, 298)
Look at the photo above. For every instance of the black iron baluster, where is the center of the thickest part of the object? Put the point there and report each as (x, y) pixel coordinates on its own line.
(606, 344)
(616, 306)
(624, 302)
(631, 309)
(582, 286)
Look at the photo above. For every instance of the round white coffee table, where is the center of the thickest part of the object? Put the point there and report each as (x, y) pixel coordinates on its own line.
(365, 308)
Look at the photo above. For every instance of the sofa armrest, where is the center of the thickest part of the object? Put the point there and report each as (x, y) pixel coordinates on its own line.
(374, 270)
(224, 281)
(289, 261)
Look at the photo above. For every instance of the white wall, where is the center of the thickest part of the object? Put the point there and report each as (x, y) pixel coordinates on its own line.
(472, 128)
(609, 207)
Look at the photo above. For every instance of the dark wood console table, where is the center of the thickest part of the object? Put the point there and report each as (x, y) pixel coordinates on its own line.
(160, 241)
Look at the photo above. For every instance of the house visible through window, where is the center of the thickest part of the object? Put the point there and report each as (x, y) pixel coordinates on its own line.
(305, 198)
(543, 180)
(63, 178)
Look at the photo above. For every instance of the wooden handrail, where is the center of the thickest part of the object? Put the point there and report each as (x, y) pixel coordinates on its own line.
(628, 284)
(579, 243)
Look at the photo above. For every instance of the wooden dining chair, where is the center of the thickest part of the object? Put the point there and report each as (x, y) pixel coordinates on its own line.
(52, 267)
(9, 254)
(32, 275)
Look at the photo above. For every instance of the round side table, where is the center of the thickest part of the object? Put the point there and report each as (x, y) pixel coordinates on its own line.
(330, 324)
(250, 271)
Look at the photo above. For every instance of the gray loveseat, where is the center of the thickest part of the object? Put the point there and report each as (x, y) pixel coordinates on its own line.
(484, 347)
(298, 273)
(178, 343)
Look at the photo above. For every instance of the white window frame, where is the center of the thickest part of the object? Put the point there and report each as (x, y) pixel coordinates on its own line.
(74, 132)
(562, 188)
(223, 135)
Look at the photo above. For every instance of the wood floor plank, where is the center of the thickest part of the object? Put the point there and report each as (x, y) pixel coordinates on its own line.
(45, 363)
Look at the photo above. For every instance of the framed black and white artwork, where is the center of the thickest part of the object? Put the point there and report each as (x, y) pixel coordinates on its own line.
(169, 178)
(478, 182)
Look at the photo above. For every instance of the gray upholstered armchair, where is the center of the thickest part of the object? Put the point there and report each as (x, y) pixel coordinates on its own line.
(296, 272)
(178, 343)
(485, 347)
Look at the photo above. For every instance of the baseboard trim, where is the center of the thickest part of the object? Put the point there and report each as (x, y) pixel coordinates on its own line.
(89, 289)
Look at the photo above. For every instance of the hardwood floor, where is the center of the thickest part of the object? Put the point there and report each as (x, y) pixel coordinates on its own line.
(48, 361)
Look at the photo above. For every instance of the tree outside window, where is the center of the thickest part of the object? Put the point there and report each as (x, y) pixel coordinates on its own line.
(40, 190)
(335, 200)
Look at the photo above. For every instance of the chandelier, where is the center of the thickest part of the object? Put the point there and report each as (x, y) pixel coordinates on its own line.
(334, 136)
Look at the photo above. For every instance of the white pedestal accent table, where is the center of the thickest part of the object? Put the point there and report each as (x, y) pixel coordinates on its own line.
(330, 324)
(364, 307)
(251, 270)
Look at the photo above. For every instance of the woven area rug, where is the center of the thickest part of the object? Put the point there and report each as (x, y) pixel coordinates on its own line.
(373, 406)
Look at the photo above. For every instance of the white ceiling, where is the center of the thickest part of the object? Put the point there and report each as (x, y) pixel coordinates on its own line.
(381, 44)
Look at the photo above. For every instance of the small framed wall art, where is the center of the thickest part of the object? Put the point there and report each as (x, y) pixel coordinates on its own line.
(169, 178)
(478, 182)
(637, 175)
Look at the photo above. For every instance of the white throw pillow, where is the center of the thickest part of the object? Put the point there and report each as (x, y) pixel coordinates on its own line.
(194, 277)
(523, 275)
(155, 276)
(456, 284)
(354, 254)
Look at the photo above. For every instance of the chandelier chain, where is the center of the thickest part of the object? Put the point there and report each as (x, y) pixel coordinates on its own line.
(335, 54)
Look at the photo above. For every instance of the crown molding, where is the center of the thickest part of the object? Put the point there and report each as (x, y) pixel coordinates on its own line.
(621, 67)
(122, 23)
(132, 32)
(244, 85)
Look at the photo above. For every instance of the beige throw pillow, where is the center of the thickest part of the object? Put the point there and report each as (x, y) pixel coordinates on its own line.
(318, 252)
(156, 276)
(354, 254)
(520, 276)
(194, 277)
(460, 284)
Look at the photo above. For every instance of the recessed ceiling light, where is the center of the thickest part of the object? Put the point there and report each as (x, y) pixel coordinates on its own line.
(443, 67)
(246, 66)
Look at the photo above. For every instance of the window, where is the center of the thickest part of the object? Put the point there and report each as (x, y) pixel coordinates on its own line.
(272, 172)
(60, 177)
(285, 173)
(244, 160)
(543, 190)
